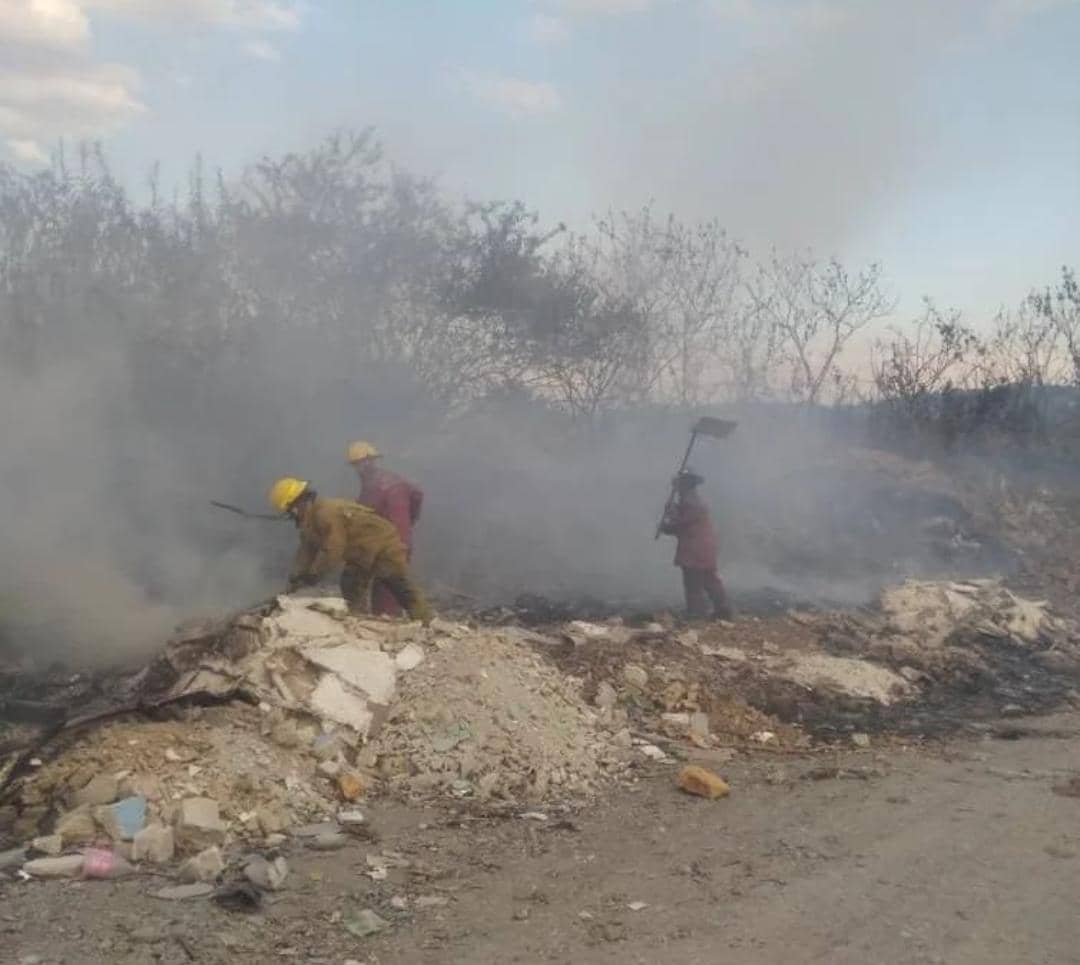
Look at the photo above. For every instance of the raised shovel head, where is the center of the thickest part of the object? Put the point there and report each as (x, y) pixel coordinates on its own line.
(717, 428)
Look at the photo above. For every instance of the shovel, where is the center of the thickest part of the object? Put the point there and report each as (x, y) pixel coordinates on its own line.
(705, 426)
(245, 513)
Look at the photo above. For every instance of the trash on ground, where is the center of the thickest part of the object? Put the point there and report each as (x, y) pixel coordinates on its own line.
(703, 783)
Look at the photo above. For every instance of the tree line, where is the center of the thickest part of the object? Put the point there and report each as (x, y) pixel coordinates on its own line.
(340, 248)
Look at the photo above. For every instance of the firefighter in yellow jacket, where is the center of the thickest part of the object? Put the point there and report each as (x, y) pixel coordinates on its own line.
(339, 532)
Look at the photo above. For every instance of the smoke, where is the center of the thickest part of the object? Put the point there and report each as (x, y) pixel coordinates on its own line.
(155, 361)
(806, 118)
(100, 558)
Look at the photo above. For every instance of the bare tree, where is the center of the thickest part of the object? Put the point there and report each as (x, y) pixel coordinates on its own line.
(814, 310)
(679, 282)
(1061, 307)
(1026, 348)
(913, 367)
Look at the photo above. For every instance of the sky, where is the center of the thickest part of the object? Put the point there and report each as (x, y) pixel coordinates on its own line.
(941, 138)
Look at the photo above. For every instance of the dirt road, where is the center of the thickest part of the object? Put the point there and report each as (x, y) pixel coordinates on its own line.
(957, 854)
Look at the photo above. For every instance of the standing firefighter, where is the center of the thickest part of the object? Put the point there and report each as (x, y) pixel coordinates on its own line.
(688, 519)
(395, 499)
(338, 532)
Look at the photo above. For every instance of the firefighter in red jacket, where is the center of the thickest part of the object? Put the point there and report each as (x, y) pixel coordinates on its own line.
(395, 499)
(688, 520)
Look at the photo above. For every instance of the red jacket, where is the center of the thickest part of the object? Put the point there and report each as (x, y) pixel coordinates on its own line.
(394, 498)
(689, 521)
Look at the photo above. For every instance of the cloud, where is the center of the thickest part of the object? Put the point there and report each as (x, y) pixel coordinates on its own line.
(261, 50)
(607, 8)
(547, 30)
(800, 131)
(50, 24)
(1003, 12)
(49, 85)
(52, 87)
(511, 95)
(77, 100)
(248, 14)
(27, 152)
(777, 21)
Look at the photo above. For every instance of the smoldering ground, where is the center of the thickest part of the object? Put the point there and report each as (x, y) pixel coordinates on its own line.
(111, 538)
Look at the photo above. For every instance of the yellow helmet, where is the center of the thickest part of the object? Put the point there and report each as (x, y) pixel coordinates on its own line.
(285, 492)
(361, 450)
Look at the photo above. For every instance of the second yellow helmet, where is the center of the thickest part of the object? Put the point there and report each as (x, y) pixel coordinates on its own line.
(361, 450)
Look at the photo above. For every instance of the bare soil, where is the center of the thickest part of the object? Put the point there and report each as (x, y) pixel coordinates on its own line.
(966, 853)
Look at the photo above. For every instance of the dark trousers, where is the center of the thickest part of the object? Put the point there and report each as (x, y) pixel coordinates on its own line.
(703, 587)
(393, 575)
(383, 601)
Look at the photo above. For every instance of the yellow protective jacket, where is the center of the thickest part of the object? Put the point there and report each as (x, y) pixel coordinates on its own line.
(339, 532)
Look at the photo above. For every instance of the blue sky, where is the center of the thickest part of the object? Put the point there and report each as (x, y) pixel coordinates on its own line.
(940, 138)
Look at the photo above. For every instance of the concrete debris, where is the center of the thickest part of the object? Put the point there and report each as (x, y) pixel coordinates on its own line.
(328, 841)
(699, 725)
(314, 830)
(198, 824)
(272, 819)
(66, 866)
(77, 827)
(432, 901)
(487, 717)
(606, 696)
(12, 858)
(51, 844)
(364, 923)
(101, 789)
(351, 818)
(860, 740)
(858, 678)
(155, 844)
(205, 866)
(327, 747)
(409, 657)
(297, 617)
(268, 875)
(337, 708)
(701, 782)
(678, 723)
(332, 699)
(330, 769)
(652, 752)
(930, 613)
(370, 672)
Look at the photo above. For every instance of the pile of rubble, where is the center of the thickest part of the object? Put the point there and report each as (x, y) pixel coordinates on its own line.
(485, 716)
(929, 653)
(286, 714)
(936, 628)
